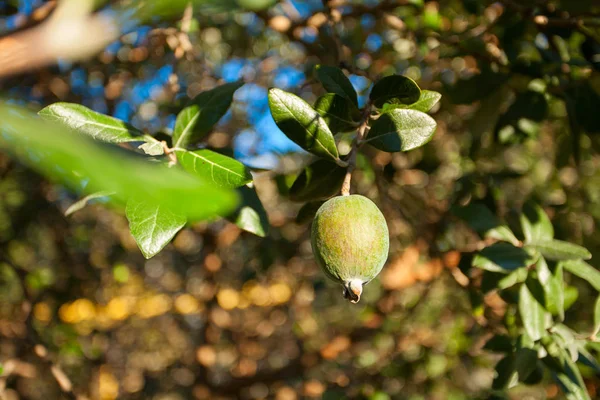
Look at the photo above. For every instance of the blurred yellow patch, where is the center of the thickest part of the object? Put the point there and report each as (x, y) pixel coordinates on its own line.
(228, 299)
(108, 386)
(280, 293)
(42, 312)
(186, 304)
(154, 306)
(79, 310)
(119, 308)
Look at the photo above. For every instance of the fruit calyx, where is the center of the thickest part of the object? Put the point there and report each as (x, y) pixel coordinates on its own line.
(353, 290)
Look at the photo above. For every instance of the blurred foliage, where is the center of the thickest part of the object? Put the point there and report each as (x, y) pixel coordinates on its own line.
(485, 294)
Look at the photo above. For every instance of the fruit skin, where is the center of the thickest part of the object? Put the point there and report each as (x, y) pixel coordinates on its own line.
(350, 241)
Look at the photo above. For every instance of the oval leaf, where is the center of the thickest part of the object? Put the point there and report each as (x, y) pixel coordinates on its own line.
(535, 224)
(222, 170)
(395, 89)
(251, 215)
(401, 130)
(308, 211)
(532, 314)
(320, 180)
(335, 81)
(202, 113)
(152, 226)
(584, 271)
(426, 102)
(558, 250)
(338, 112)
(76, 160)
(99, 126)
(502, 257)
(303, 125)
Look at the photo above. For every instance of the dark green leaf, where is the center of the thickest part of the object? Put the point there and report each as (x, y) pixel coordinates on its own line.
(535, 224)
(211, 166)
(426, 102)
(587, 358)
(202, 113)
(251, 215)
(569, 377)
(506, 375)
(532, 314)
(303, 125)
(335, 81)
(79, 205)
(152, 226)
(485, 223)
(502, 257)
(401, 130)
(99, 126)
(395, 89)
(318, 181)
(558, 250)
(584, 271)
(72, 158)
(499, 344)
(528, 107)
(586, 104)
(338, 112)
(553, 284)
(308, 211)
(525, 362)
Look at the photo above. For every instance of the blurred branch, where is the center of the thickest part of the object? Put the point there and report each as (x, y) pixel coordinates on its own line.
(71, 33)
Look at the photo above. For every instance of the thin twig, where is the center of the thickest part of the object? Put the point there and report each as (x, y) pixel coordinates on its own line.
(361, 131)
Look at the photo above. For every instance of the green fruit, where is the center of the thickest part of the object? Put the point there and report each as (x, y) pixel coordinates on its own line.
(350, 241)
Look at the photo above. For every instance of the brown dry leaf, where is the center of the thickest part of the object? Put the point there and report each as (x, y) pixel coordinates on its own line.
(399, 273)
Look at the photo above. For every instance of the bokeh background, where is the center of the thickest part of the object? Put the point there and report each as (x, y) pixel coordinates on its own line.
(223, 314)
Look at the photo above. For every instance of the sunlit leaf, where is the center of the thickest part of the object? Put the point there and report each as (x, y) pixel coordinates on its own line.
(427, 100)
(583, 270)
(222, 170)
(401, 130)
(303, 125)
(202, 113)
(553, 284)
(532, 314)
(90, 166)
(559, 250)
(80, 204)
(99, 126)
(251, 215)
(152, 226)
(535, 224)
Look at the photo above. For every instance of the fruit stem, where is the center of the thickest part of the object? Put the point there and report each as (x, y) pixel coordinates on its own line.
(361, 132)
(353, 290)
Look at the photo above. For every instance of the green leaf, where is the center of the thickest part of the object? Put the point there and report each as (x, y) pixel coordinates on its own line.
(583, 270)
(152, 226)
(303, 125)
(485, 223)
(251, 215)
(558, 250)
(308, 211)
(499, 343)
(80, 162)
(569, 377)
(532, 314)
(506, 375)
(99, 126)
(80, 204)
(525, 362)
(587, 358)
(338, 112)
(335, 81)
(596, 317)
(426, 102)
(535, 224)
(571, 295)
(202, 113)
(318, 181)
(401, 130)
(502, 257)
(222, 170)
(553, 284)
(396, 89)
